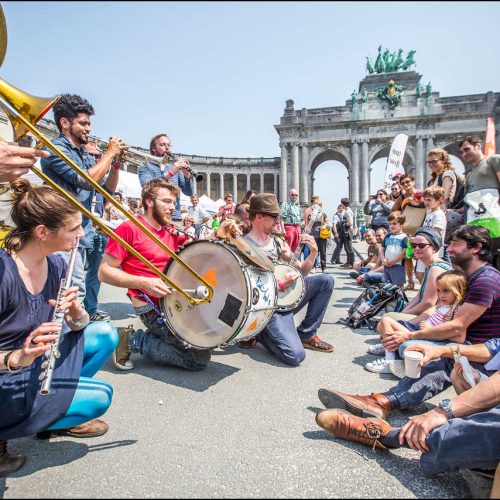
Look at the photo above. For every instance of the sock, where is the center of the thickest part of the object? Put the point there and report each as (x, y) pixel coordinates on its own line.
(390, 356)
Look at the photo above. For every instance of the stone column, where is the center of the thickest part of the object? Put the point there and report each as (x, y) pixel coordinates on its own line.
(235, 186)
(284, 173)
(261, 182)
(365, 173)
(304, 168)
(275, 184)
(429, 145)
(421, 165)
(295, 167)
(354, 173)
(221, 185)
(248, 182)
(208, 185)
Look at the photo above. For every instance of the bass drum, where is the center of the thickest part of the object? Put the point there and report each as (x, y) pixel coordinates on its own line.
(243, 302)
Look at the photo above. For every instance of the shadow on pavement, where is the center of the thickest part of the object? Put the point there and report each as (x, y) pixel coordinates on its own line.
(257, 353)
(118, 310)
(198, 381)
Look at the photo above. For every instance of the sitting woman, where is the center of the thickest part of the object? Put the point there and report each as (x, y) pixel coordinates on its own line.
(398, 335)
(31, 277)
(426, 244)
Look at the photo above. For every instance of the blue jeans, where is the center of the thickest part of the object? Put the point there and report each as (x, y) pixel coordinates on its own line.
(464, 443)
(336, 252)
(282, 338)
(159, 345)
(78, 278)
(373, 278)
(92, 397)
(92, 283)
(434, 378)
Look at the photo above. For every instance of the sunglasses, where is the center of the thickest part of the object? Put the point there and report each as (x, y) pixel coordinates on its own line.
(433, 162)
(420, 245)
(405, 183)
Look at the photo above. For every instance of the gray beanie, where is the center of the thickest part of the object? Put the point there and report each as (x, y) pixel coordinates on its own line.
(433, 237)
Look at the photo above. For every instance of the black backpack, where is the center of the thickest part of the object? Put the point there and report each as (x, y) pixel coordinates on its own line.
(458, 198)
(371, 301)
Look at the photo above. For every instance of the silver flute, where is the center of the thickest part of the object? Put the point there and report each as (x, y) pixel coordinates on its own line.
(53, 354)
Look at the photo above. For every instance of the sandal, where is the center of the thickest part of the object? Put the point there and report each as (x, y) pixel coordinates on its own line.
(410, 286)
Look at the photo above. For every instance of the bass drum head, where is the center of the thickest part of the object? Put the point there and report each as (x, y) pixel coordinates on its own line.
(213, 323)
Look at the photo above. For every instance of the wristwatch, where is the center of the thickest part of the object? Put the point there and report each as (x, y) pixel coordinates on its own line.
(445, 405)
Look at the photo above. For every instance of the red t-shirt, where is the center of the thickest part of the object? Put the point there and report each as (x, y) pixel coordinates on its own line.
(146, 247)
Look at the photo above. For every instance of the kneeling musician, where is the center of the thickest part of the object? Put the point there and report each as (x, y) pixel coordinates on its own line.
(281, 337)
(120, 268)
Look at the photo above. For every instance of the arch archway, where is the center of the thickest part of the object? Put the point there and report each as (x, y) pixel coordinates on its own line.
(330, 181)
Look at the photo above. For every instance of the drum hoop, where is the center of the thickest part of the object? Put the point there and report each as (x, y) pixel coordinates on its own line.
(302, 293)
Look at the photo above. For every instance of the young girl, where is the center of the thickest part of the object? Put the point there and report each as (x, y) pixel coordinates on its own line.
(188, 224)
(452, 288)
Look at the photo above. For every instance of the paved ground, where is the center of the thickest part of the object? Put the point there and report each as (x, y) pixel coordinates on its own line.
(242, 428)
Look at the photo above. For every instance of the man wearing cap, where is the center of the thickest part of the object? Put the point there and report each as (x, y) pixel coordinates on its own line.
(290, 215)
(281, 337)
(475, 323)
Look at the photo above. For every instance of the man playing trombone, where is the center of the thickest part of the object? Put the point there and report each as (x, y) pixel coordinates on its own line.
(176, 174)
(72, 116)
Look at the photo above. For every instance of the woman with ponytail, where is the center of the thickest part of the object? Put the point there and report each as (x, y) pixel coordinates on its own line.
(30, 277)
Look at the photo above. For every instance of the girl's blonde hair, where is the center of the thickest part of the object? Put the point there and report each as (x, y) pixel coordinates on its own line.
(456, 281)
(189, 218)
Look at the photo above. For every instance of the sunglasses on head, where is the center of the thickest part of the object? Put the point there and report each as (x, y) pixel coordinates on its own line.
(420, 245)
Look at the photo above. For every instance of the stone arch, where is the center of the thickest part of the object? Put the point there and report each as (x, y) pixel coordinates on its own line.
(320, 155)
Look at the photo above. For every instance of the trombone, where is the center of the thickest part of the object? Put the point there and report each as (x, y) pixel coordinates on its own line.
(24, 111)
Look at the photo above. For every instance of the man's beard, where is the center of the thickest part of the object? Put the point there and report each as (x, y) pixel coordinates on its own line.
(161, 218)
(81, 139)
(460, 261)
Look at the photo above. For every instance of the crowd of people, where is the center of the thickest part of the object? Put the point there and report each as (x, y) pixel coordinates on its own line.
(454, 314)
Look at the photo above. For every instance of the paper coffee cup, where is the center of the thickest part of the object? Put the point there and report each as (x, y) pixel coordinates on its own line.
(412, 358)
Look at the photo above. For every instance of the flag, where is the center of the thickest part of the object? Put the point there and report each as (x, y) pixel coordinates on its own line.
(395, 161)
(489, 146)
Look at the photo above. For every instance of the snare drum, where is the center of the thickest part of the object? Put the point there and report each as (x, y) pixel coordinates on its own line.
(243, 302)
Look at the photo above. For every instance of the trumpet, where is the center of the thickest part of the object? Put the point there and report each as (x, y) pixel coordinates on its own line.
(196, 175)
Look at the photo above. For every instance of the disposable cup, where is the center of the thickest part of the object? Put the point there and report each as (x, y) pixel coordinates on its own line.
(412, 358)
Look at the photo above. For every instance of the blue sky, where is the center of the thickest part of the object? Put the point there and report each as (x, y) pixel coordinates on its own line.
(215, 75)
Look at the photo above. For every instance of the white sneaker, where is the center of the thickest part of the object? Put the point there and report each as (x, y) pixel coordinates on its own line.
(377, 349)
(379, 366)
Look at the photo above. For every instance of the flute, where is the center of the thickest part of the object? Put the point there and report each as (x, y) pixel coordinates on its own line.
(53, 354)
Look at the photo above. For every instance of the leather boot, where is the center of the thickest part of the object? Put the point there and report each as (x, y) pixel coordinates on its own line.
(9, 462)
(346, 426)
(376, 405)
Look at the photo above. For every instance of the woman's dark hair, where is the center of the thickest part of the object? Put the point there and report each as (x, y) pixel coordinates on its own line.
(33, 206)
(69, 106)
(345, 202)
(246, 198)
(472, 235)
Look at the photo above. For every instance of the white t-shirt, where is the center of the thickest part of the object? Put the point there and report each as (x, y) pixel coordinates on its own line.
(436, 220)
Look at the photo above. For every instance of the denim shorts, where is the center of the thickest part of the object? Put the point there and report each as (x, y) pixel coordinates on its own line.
(413, 327)
(395, 274)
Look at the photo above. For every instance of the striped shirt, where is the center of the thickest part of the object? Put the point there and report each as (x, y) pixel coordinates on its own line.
(290, 212)
(441, 315)
(484, 290)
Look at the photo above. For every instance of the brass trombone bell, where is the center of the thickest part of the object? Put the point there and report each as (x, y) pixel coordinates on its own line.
(3, 36)
(32, 108)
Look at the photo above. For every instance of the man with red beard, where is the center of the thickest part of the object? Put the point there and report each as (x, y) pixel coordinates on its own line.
(122, 269)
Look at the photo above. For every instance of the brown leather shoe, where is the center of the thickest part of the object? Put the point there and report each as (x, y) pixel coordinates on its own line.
(344, 425)
(376, 405)
(90, 429)
(9, 462)
(316, 344)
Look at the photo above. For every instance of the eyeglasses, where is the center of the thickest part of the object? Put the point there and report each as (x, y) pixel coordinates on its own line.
(294, 195)
(405, 183)
(395, 189)
(420, 245)
(167, 201)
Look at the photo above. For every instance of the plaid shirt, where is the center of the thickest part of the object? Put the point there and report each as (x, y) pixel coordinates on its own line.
(290, 212)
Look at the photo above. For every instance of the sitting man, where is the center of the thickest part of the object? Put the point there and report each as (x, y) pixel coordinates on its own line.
(476, 323)
(368, 264)
(122, 269)
(459, 433)
(281, 337)
(376, 274)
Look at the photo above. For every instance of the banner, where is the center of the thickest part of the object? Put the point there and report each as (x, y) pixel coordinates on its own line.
(395, 161)
(489, 145)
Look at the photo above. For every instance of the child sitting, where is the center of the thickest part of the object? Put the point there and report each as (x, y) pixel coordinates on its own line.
(188, 228)
(452, 288)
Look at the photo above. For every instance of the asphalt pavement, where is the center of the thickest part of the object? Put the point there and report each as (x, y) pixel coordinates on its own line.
(242, 428)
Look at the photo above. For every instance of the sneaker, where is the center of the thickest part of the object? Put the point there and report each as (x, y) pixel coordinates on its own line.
(316, 344)
(122, 352)
(346, 266)
(248, 344)
(93, 428)
(379, 366)
(354, 274)
(100, 316)
(377, 350)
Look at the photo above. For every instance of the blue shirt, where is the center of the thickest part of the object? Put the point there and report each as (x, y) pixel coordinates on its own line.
(64, 176)
(151, 170)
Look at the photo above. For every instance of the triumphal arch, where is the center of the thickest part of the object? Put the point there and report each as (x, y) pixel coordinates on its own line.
(391, 99)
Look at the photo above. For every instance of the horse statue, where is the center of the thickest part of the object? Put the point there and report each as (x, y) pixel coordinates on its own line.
(409, 60)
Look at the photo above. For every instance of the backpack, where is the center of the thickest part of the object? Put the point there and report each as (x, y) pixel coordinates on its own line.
(385, 296)
(458, 198)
